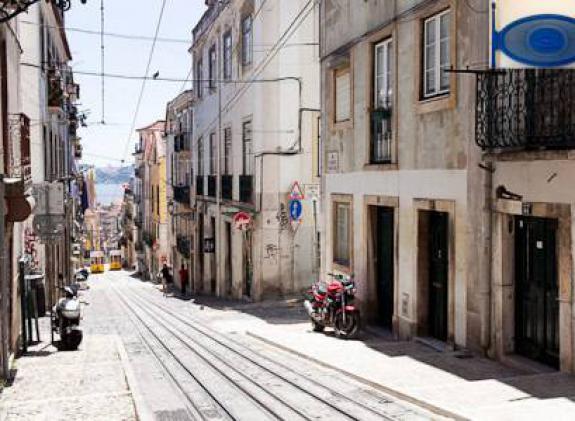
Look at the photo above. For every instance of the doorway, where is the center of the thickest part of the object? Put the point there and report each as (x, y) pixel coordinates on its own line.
(228, 268)
(201, 252)
(213, 259)
(384, 263)
(536, 290)
(438, 274)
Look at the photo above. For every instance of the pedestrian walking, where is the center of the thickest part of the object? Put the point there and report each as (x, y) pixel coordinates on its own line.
(166, 278)
(184, 278)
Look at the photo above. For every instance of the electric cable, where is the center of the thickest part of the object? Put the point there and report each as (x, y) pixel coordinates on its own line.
(143, 88)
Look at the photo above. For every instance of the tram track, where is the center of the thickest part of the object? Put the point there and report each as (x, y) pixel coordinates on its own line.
(292, 412)
(345, 406)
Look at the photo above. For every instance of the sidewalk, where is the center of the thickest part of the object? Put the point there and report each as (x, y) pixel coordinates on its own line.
(88, 384)
(468, 386)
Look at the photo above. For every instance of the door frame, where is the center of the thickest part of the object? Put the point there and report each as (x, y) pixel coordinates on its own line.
(371, 300)
(503, 277)
(422, 267)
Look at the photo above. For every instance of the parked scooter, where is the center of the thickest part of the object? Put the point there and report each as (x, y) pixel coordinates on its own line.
(66, 319)
(332, 305)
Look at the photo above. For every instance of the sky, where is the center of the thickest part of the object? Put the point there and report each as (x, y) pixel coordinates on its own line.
(106, 144)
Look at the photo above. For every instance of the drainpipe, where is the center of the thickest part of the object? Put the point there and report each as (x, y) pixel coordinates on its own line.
(486, 291)
(3, 286)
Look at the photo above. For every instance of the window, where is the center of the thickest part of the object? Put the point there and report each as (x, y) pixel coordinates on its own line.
(247, 152)
(212, 67)
(342, 234)
(227, 164)
(342, 95)
(247, 41)
(199, 76)
(228, 55)
(212, 154)
(200, 156)
(436, 54)
(383, 75)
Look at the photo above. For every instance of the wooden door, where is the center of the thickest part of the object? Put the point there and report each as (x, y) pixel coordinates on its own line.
(384, 264)
(438, 274)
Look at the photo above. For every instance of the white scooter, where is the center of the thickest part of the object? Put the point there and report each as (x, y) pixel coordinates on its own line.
(66, 319)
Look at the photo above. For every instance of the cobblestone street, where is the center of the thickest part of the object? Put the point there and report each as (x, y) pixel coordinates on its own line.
(149, 357)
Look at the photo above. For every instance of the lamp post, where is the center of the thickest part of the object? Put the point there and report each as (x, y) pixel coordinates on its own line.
(9, 9)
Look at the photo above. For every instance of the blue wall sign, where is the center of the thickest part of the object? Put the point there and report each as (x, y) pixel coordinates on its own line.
(295, 209)
(545, 40)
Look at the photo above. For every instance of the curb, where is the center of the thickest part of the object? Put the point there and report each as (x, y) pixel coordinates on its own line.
(395, 393)
(143, 412)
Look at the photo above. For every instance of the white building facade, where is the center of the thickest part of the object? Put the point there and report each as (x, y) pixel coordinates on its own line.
(255, 136)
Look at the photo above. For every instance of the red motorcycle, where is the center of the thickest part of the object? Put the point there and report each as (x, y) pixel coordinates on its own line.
(332, 305)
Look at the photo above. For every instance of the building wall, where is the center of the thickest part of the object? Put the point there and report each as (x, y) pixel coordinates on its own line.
(282, 259)
(434, 162)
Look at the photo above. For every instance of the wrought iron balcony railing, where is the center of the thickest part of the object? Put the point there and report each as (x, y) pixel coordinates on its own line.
(212, 185)
(199, 185)
(20, 164)
(182, 194)
(227, 187)
(247, 189)
(184, 246)
(525, 109)
(381, 136)
(55, 90)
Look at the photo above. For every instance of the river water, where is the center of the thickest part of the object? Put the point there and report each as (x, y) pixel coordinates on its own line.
(108, 193)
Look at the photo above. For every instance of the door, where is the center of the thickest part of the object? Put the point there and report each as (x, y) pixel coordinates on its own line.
(213, 257)
(229, 276)
(438, 274)
(536, 290)
(201, 251)
(384, 264)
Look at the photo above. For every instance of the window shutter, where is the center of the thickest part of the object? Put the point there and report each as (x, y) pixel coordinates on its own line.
(342, 96)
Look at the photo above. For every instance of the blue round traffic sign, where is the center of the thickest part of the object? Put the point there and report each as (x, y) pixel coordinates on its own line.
(295, 209)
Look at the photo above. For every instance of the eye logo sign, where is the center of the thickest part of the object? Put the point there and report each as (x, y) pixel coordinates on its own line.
(538, 40)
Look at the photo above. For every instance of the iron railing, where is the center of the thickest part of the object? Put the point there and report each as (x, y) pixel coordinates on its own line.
(182, 194)
(247, 188)
(227, 187)
(525, 109)
(199, 185)
(381, 136)
(184, 246)
(212, 185)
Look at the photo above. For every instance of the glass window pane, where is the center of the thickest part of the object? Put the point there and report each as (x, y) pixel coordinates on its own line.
(429, 82)
(430, 31)
(444, 31)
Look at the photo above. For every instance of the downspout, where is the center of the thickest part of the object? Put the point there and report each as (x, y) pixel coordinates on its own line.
(3, 286)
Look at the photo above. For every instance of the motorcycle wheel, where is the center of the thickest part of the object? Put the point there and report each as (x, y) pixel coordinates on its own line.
(317, 327)
(349, 329)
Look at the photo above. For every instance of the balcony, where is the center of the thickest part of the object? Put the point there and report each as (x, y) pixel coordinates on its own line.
(182, 194)
(212, 184)
(227, 187)
(19, 149)
(525, 109)
(184, 246)
(199, 185)
(149, 238)
(55, 90)
(381, 136)
(182, 142)
(247, 189)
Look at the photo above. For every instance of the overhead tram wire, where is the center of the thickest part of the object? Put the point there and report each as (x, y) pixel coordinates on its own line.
(113, 34)
(144, 81)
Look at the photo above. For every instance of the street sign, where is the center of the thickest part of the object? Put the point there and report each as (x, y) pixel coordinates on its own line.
(296, 193)
(295, 209)
(242, 220)
(312, 191)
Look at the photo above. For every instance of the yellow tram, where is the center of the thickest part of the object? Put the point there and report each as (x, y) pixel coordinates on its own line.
(115, 260)
(97, 262)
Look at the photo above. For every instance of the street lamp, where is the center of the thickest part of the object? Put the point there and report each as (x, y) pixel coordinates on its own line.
(11, 8)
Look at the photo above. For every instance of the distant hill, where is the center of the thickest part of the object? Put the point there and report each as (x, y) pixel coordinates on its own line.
(114, 175)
